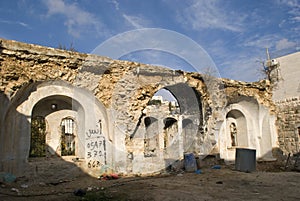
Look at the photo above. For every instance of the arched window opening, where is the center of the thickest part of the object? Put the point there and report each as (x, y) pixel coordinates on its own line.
(169, 122)
(68, 137)
(38, 137)
(237, 129)
(151, 137)
(166, 101)
(170, 131)
(233, 134)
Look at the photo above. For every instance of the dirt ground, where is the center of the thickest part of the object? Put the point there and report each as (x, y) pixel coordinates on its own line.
(57, 183)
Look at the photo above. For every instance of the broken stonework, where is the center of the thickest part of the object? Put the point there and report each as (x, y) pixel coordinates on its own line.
(97, 110)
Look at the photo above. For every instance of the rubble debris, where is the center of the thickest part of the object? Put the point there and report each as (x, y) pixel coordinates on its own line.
(15, 190)
(24, 186)
(108, 176)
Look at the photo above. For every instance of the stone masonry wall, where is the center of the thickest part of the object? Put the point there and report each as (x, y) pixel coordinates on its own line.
(288, 121)
(123, 87)
(286, 95)
(24, 63)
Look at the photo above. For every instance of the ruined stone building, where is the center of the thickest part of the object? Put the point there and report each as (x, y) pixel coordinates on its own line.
(95, 109)
(286, 97)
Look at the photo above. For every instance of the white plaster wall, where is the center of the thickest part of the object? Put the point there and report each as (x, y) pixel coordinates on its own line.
(259, 133)
(141, 164)
(267, 137)
(288, 85)
(88, 112)
(53, 136)
(119, 152)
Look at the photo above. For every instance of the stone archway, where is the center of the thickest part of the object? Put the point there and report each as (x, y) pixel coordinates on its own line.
(54, 109)
(68, 137)
(54, 101)
(38, 137)
(170, 132)
(237, 118)
(234, 132)
(151, 140)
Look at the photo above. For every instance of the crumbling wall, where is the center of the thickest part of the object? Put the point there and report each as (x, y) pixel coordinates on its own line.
(125, 88)
(23, 63)
(260, 91)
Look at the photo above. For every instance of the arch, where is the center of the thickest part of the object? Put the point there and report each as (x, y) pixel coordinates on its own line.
(237, 118)
(151, 139)
(149, 120)
(68, 136)
(49, 99)
(55, 109)
(186, 123)
(53, 103)
(170, 131)
(189, 131)
(169, 122)
(38, 137)
(249, 111)
(177, 136)
(254, 128)
(189, 100)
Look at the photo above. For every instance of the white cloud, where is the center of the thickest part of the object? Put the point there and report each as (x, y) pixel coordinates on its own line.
(15, 22)
(259, 41)
(294, 9)
(135, 21)
(242, 68)
(291, 3)
(77, 19)
(116, 4)
(296, 19)
(211, 14)
(285, 44)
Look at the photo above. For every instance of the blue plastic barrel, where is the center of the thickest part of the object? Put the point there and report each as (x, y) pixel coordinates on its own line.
(190, 164)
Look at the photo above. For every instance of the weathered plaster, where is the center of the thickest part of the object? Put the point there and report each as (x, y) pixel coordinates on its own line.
(117, 93)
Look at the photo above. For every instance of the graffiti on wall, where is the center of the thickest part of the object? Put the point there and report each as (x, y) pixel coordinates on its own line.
(95, 146)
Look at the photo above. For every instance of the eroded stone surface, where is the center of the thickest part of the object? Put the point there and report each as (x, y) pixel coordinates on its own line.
(116, 93)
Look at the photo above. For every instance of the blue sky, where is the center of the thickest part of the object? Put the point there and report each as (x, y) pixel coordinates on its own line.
(233, 33)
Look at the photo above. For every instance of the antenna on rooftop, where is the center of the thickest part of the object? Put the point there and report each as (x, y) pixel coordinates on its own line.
(268, 55)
